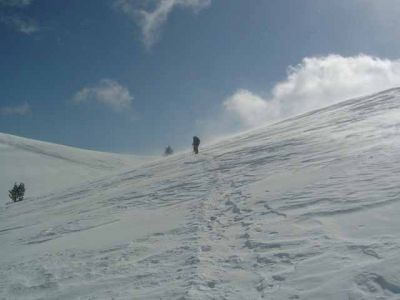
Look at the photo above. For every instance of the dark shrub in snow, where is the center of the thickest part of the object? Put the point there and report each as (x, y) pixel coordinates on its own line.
(17, 192)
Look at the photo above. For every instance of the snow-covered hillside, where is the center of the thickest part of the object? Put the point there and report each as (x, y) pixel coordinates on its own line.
(46, 167)
(304, 209)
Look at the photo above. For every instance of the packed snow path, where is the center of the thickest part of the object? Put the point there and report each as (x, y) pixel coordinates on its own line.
(304, 209)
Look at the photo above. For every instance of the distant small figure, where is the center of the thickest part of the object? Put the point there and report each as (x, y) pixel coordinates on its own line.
(168, 151)
(196, 144)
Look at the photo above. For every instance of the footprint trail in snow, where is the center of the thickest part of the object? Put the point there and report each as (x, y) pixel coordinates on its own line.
(303, 209)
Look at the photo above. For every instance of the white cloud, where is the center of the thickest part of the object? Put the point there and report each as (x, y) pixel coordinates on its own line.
(315, 83)
(152, 21)
(20, 23)
(16, 20)
(107, 92)
(15, 3)
(250, 108)
(21, 110)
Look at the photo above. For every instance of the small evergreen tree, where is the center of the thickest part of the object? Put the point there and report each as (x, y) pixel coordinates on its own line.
(17, 192)
(168, 151)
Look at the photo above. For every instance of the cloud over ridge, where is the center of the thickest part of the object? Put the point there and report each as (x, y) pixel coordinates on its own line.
(314, 83)
(107, 92)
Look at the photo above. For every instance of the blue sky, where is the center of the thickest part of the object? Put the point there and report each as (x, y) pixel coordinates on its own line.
(134, 76)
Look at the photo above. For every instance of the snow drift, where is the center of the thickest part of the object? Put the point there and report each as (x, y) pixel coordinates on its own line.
(46, 167)
(303, 209)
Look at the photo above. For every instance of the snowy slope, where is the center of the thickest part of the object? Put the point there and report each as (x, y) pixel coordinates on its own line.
(46, 167)
(303, 209)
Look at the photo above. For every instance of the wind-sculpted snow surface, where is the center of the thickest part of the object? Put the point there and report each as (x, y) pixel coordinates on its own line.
(303, 209)
(46, 167)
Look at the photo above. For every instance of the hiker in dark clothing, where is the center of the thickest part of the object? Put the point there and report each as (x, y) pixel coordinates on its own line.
(168, 151)
(196, 143)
